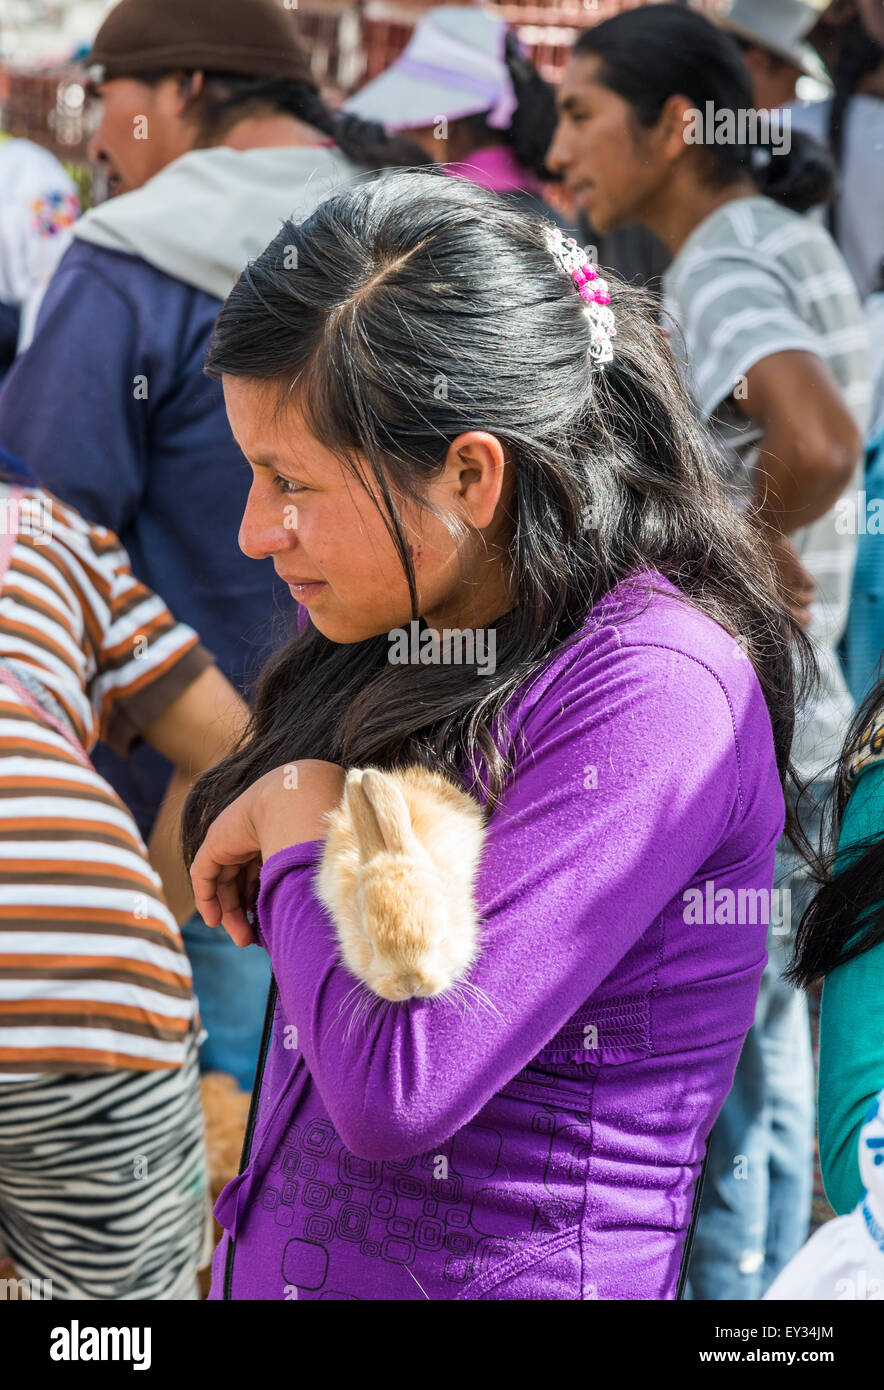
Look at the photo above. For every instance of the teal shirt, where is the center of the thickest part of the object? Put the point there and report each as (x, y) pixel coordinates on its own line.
(852, 1024)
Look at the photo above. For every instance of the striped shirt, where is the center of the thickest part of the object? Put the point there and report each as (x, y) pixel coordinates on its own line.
(751, 280)
(93, 974)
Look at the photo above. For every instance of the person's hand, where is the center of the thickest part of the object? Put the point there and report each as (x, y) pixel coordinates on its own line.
(797, 585)
(284, 807)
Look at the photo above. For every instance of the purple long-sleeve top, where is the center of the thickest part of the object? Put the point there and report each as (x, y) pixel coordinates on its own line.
(544, 1144)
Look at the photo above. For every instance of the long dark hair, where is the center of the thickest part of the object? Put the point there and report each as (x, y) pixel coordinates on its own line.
(424, 306)
(846, 917)
(656, 52)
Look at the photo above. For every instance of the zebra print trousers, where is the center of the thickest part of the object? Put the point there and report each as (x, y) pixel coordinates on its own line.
(103, 1184)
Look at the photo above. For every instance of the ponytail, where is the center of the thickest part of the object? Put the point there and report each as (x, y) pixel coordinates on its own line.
(535, 117)
(845, 918)
(365, 142)
(800, 179)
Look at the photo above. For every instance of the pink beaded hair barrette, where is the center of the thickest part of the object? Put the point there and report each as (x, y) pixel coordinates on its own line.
(593, 290)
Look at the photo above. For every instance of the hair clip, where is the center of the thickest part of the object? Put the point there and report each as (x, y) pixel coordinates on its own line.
(593, 290)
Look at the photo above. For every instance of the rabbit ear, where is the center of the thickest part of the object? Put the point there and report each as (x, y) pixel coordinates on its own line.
(365, 823)
(391, 810)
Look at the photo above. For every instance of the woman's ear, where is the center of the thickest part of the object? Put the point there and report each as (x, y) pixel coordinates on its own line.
(478, 466)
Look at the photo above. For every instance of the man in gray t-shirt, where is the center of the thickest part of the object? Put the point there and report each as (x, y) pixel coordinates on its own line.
(753, 288)
(753, 280)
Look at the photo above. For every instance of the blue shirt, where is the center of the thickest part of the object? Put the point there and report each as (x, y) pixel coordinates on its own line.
(112, 411)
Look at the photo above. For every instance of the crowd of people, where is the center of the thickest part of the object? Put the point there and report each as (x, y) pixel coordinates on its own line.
(474, 353)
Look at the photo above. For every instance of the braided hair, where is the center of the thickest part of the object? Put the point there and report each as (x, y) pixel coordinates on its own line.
(225, 98)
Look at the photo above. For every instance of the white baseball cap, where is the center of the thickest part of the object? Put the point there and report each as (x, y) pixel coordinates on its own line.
(453, 66)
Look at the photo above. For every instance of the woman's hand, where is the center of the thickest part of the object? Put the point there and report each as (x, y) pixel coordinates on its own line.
(284, 807)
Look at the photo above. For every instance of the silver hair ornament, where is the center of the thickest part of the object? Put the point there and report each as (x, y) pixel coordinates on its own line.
(593, 290)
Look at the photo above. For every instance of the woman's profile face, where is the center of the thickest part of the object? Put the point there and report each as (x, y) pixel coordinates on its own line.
(606, 159)
(329, 541)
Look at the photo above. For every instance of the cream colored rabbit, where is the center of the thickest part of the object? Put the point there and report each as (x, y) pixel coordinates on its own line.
(397, 877)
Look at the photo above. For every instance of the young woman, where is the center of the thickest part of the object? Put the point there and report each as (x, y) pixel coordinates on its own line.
(841, 939)
(102, 1168)
(239, 139)
(436, 436)
(763, 315)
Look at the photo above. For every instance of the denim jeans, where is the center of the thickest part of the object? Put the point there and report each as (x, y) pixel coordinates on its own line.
(231, 984)
(755, 1209)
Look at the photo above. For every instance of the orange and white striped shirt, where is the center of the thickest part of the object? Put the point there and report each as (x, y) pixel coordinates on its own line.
(93, 973)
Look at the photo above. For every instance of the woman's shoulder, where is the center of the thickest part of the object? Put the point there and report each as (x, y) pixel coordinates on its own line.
(659, 690)
(647, 611)
(646, 635)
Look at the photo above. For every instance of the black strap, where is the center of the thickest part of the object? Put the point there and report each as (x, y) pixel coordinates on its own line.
(253, 1115)
(695, 1212)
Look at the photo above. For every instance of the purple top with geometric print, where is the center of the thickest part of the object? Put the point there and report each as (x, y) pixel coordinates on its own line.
(546, 1145)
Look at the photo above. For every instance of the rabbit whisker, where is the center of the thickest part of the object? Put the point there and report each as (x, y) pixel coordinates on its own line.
(349, 995)
(480, 997)
(346, 999)
(459, 998)
(451, 996)
(360, 1008)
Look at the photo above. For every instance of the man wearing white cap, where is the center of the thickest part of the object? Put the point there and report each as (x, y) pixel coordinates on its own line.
(771, 35)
